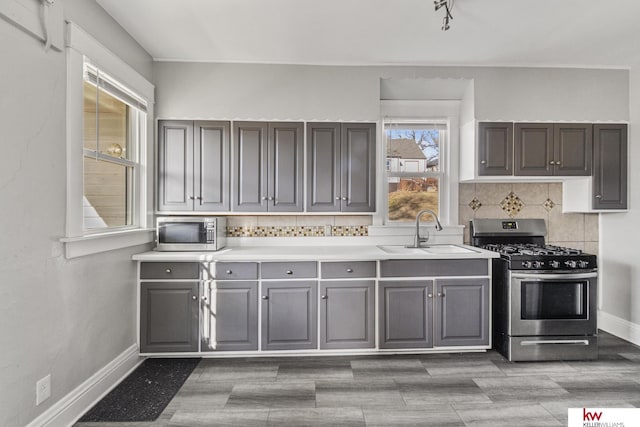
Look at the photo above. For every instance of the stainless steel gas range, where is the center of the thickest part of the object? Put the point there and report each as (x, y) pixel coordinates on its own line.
(544, 297)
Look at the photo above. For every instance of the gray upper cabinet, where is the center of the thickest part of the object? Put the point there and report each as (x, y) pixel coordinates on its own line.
(610, 166)
(193, 166)
(406, 314)
(289, 315)
(533, 149)
(230, 316)
(546, 149)
(462, 312)
(347, 314)
(495, 148)
(268, 167)
(169, 319)
(341, 167)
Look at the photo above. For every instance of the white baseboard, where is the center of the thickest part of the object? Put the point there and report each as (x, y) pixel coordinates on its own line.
(619, 327)
(71, 407)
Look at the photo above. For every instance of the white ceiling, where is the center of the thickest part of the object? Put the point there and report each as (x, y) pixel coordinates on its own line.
(574, 33)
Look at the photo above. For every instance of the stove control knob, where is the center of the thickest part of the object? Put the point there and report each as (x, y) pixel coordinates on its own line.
(571, 264)
(538, 264)
(554, 264)
(583, 264)
(526, 264)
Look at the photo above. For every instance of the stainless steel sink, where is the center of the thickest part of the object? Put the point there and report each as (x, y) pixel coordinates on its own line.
(429, 249)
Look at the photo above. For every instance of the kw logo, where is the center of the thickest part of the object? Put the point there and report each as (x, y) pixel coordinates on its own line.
(591, 416)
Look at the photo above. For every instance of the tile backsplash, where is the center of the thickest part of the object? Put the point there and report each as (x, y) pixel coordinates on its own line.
(525, 200)
(298, 226)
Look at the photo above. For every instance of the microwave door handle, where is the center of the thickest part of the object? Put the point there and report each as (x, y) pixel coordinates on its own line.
(544, 276)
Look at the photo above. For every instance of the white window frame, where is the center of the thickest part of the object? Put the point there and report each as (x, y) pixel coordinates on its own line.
(81, 48)
(420, 111)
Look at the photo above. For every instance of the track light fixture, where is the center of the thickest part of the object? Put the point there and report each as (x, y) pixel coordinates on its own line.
(448, 6)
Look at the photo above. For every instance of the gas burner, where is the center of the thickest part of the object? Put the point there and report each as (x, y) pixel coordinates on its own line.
(530, 249)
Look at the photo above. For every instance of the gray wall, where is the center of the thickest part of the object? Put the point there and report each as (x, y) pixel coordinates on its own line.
(68, 318)
(251, 91)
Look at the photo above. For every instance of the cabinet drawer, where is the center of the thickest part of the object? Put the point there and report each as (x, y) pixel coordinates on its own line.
(289, 270)
(236, 270)
(434, 267)
(345, 270)
(169, 270)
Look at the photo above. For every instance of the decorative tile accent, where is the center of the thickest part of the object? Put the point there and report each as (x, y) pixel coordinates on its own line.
(295, 231)
(475, 204)
(548, 205)
(511, 204)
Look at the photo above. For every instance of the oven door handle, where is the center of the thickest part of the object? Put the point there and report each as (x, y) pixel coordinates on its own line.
(544, 276)
(566, 342)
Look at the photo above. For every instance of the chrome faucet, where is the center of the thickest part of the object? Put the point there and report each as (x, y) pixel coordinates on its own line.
(419, 240)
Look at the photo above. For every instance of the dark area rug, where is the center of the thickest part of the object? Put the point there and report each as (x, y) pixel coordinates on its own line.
(144, 394)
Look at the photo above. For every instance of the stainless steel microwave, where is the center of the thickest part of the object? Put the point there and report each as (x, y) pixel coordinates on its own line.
(190, 233)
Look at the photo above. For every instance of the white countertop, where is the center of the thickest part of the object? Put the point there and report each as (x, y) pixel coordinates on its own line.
(317, 253)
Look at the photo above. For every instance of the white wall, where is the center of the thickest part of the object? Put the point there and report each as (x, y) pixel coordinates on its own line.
(250, 91)
(619, 238)
(68, 318)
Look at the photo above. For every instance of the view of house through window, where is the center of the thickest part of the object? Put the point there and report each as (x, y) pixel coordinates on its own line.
(414, 168)
(110, 144)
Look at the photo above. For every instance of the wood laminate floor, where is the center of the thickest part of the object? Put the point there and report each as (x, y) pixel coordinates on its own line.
(458, 389)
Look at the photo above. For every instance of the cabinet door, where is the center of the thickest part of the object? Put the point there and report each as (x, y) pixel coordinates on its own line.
(211, 166)
(230, 316)
(323, 167)
(406, 313)
(286, 160)
(289, 315)
(175, 166)
(347, 314)
(610, 166)
(534, 149)
(168, 317)
(495, 148)
(250, 167)
(358, 164)
(572, 149)
(462, 312)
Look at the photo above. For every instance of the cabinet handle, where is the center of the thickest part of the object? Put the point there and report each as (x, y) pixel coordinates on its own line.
(270, 199)
(349, 270)
(557, 163)
(265, 297)
(228, 271)
(337, 197)
(204, 298)
(199, 197)
(168, 271)
(194, 297)
(483, 162)
(289, 272)
(441, 294)
(344, 198)
(429, 295)
(192, 198)
(551, 162)
(598, 196)
(323, 297)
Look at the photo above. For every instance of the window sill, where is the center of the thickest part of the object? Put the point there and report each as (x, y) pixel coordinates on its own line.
(75, 247)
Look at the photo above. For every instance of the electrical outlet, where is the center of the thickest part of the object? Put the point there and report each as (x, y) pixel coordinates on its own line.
(43, 389)
(327, 230)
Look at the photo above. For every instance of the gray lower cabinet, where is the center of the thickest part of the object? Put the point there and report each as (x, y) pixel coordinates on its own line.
(230, 316)
(169, 320)
(289, 315)
(341, 167)
(347, 314)
(406, 314)
(495, 148)
(193, 165)
(268, 167)
(610, 166)
(462, 312)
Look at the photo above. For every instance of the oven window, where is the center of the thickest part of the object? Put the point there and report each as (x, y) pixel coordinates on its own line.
(554, 300)
(183, 232)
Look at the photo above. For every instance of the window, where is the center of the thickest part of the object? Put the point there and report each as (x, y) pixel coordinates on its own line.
(109, 125)
(112, 119)
(415, 168)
